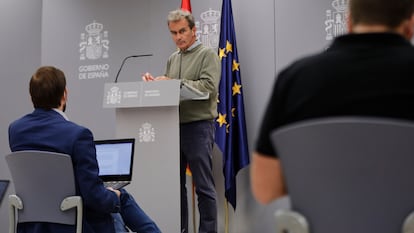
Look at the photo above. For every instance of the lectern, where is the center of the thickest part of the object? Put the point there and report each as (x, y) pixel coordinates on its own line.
(148, 112)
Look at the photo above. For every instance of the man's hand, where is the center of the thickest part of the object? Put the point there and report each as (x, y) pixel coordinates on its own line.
(118, 193)
(162, 78)
(147, 77)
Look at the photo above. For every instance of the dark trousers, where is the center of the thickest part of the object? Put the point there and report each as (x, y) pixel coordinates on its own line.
(196, 145)
(132, 216)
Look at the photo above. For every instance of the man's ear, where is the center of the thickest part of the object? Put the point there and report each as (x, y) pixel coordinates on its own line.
(64, 97)
(408, 28)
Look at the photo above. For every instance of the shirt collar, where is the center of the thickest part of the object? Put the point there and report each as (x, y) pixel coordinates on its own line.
(61, 113)
(195, 44)
(373, 40)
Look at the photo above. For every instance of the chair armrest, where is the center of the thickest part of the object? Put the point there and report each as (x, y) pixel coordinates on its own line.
(408, 226)
(71, 202)
(15, 203)
(290, 221)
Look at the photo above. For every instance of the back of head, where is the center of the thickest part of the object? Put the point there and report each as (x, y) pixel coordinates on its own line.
(47, 87)
(389, 13)
(179, 14)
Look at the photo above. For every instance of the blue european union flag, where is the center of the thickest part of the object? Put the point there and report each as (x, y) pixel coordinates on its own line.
(231, 135)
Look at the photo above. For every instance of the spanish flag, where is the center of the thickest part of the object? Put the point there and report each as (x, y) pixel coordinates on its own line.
(186, 5)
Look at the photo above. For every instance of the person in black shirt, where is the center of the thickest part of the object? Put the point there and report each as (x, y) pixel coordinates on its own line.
(366, 72)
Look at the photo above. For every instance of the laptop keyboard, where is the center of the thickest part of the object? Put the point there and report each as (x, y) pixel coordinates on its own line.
(116, 184)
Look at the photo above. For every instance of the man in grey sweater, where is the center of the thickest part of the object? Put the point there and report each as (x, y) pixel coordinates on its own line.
(197, 66)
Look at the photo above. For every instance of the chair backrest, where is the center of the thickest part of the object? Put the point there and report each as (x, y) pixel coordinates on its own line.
(42, 180)
(349, 174)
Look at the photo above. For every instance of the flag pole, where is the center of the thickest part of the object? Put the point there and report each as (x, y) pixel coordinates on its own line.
(194, 220)
(226, 217)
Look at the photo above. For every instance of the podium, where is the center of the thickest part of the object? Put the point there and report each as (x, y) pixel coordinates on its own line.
(148, 112)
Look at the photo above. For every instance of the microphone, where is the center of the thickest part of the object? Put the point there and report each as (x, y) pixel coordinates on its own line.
(123, 62)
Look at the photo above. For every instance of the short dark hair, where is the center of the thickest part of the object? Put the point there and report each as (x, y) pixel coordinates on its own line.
(47, 87)
(390, 13)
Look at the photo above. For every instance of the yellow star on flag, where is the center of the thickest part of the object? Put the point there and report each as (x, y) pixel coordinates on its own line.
(229, 47)
(233, 110)
(222, 53)
(236, 89)
(235, 65)
(221, 119)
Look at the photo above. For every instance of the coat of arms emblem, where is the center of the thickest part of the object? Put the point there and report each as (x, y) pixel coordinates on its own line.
(94, 43)
(336, 20)
(146, 133)
(208, 30)
(113, 96)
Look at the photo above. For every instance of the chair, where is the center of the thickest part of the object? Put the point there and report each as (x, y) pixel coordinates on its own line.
(347, 174)
(45, 189)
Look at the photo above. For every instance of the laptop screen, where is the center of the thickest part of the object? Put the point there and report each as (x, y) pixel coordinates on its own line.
(3, 188)
(115, 158)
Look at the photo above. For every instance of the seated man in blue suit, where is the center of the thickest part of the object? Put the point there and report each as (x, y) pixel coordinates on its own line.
(48, 129)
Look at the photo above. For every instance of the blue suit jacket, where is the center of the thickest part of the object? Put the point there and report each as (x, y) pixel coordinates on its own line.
(50, 131)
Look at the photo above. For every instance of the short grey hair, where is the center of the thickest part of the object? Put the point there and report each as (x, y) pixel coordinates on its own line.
(179, 14)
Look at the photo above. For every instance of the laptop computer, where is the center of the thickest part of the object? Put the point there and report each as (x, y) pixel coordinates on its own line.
(115, 159)
(3, 188)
